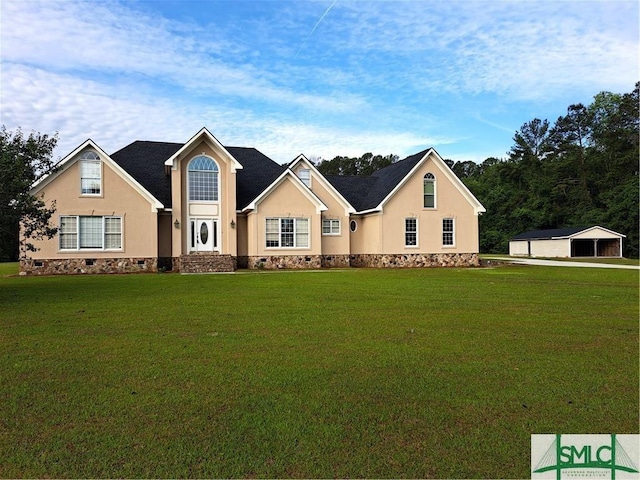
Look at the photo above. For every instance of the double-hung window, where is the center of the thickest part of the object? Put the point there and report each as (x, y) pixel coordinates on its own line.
(304, 174)
(448, 232)
(287, 232)
(330, 226)
(90, 233)
(429, 191)
(90, 174)
(410, 232)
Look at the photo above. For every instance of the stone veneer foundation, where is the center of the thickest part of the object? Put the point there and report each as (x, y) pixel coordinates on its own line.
(204, 263)
(78, 266)
(276, 262)
(415, 260)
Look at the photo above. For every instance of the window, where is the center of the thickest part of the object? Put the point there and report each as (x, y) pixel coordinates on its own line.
(90, 174)
(203, 180)
(305, 175)
(448, 232)
(353, 225)
(287, 232)
(410, 232)
(429, 191)
(68, 233)
(330, 227)
(91, 233)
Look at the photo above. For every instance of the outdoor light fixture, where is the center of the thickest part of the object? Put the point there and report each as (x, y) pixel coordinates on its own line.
(233, 224)
(176, 223)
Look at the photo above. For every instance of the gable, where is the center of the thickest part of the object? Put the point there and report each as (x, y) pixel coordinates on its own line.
(71, 161)
(371, 194)
(568, 232)
(212, 142)
(319, 180)
(287, 189)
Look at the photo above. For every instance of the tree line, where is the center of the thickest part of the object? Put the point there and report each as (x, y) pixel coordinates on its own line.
(582, 170)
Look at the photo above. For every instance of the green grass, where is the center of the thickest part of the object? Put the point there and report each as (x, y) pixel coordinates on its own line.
(355, 373)
(606, 260)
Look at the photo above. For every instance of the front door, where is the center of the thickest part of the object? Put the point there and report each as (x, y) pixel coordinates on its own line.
(204, 235)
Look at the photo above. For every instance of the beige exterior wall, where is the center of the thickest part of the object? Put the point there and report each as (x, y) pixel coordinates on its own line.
(407, 202)
(285, 201)
(224, 210)
(367, 239)
(336, 210)
(118, 198)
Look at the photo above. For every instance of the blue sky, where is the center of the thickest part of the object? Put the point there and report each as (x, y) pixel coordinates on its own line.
(323, 78)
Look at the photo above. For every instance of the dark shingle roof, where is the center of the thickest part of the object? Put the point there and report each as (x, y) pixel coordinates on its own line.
(144, 161)
(354, 189)
(551, 233)
(365, 193)
(258, 172)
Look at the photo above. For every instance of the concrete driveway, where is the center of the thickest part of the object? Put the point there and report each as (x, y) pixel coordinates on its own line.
(557, 263)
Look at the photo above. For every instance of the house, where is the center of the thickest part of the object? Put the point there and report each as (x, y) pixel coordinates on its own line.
(568, 242)
(201, 206)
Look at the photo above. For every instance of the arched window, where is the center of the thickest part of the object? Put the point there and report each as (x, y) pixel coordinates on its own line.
(203, 179)
(90, 174)
(429, 191)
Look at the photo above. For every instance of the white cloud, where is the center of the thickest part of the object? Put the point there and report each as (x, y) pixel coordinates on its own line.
(386, 77)
(114, 116)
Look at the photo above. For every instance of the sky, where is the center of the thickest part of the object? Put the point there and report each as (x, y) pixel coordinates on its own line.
(322, 78)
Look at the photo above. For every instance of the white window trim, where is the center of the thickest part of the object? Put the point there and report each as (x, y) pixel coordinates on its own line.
(77, 247)
(453, 232)
(218, 172)
(303, 180)
(435, 191)
(416, 232)
(332, 221)
(87, 157)
(295, 233)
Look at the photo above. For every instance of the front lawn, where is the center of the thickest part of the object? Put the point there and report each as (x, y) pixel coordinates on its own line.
(353, 373)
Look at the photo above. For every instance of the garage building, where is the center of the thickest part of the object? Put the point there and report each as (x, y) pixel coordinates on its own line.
(567, 242)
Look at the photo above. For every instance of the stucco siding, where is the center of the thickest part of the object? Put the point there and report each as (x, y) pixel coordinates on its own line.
(223, 210)
(118, 198)
(367, 239)
(408, 202)
(285, 201)
(336, 210)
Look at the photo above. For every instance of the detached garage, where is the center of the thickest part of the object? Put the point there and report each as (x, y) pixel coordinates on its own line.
(567, 242)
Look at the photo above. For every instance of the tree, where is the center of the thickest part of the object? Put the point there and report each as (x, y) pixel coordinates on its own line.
(22, 162)
(367, 164)
(580, 171)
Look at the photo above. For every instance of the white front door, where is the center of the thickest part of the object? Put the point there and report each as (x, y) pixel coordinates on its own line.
(204, 235)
